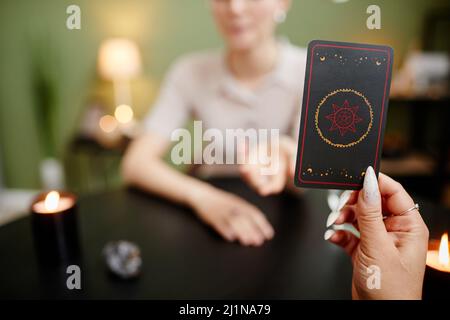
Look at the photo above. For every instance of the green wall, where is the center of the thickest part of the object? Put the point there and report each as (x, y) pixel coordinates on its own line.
(34, 41)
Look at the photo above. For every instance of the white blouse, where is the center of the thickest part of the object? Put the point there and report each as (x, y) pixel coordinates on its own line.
(199, 86)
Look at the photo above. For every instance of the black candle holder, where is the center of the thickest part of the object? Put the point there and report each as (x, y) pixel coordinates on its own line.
(56, 233)
(436, 283)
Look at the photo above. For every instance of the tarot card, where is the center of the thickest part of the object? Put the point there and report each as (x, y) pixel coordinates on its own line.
(344, 110)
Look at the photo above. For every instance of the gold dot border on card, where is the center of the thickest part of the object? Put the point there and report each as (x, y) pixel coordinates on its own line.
(351, 144)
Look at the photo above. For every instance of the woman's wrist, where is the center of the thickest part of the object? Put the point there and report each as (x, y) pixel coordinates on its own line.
(197, 192)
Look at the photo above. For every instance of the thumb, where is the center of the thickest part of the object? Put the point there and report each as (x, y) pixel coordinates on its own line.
(369, 209)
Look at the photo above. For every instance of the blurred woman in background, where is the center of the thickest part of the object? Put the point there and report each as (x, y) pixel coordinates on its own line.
(255, 82)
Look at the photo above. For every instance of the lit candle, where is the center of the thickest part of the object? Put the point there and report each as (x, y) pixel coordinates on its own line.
(439, 259)
(53, 203)
(55, 227)
(437, 274)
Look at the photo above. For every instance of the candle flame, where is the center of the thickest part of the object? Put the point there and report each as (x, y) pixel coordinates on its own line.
(51, 201)
(443, 250)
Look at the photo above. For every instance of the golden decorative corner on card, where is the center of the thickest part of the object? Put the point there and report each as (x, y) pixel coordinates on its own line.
(352, 143)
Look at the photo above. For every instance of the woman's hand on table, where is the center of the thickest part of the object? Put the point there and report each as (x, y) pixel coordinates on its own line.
(232, 217)
(272, 177)
(396, 245)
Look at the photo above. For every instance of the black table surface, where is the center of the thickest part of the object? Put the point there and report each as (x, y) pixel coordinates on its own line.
(183, 258)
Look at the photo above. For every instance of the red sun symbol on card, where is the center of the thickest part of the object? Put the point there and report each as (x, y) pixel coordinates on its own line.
(344, 118)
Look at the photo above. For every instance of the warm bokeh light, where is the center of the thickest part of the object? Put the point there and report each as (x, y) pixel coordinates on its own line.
(119, 58)
(51, 201)
(108, 123)
(443, 250)
(123, 113)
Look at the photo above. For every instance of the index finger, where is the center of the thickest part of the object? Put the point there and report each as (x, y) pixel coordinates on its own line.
(397, 200)
(251, 176)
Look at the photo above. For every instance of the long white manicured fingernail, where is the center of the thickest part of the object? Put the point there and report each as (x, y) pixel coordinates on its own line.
(328, 234)
(333, 201)
(371, 191)
(347, 227)
(343, 199)
(332, 217)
